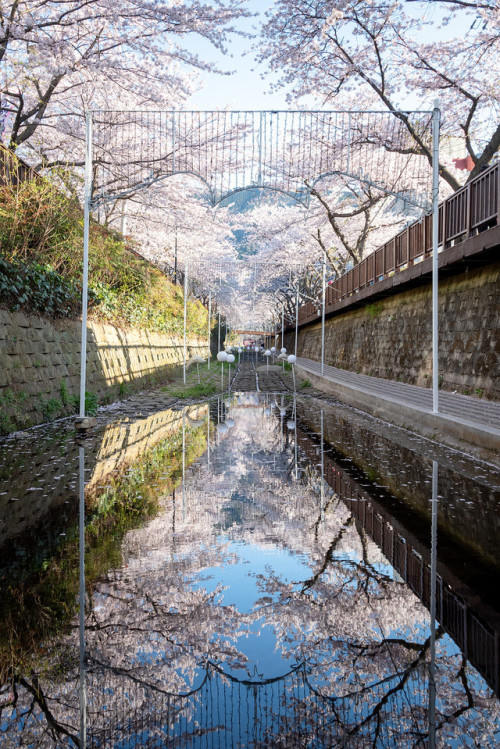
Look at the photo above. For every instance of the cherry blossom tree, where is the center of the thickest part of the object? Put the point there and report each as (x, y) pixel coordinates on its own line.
(373, 54)
(61, 57)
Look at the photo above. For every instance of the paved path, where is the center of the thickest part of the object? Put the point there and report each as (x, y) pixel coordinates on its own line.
(465, 417)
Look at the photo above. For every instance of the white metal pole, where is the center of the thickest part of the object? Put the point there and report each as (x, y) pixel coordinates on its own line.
(218, 342)
(436, 116)
(296, 320)
(323, 316)
(185, 320)
(209, 321)
(85, 282)
(283, 330)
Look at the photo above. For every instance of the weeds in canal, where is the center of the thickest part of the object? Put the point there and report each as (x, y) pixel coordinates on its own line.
(306, 384)
(203, 389)
(209, 384)
(13, 414)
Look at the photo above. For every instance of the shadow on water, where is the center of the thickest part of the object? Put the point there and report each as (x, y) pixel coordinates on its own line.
(250, 584)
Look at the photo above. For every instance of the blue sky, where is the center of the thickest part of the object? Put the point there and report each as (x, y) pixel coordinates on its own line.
(245, 89)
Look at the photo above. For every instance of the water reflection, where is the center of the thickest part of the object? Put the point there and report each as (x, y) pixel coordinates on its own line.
(265, 615)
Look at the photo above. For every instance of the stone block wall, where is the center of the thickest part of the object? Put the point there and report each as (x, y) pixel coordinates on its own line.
(392, 338)
(37, 356)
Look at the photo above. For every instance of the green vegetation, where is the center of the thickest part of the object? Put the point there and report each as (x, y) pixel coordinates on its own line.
(15, 410)
(210, 382)
(12, 411)
(41, 240)
(39, 600)
(306, 384)
(374, 310)
(198, 391)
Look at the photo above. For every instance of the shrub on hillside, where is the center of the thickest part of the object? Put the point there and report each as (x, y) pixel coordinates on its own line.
(39, 289)
(41, 247)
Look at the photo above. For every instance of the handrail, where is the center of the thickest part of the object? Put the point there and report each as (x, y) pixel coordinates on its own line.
(474, 208)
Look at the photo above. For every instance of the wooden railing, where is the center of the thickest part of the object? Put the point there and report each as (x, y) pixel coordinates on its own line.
(13, 170)
(472, 209)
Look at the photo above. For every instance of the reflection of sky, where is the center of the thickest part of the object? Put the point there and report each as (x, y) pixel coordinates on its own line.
(240, 589)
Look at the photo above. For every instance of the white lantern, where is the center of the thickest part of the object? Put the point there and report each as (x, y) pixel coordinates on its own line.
(273, 349)
(267, 353)
(222, 356)
(230, 358)
(230, 422)
(292, 359)
(290, 424)
(283, 350)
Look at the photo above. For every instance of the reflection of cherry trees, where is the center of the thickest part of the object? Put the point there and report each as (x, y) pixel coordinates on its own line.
(167, 646)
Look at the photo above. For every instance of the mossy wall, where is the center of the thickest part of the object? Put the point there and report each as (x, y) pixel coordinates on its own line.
(392, 337)
(40, 364)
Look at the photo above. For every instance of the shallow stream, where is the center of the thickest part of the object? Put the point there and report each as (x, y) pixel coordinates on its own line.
(260, 571)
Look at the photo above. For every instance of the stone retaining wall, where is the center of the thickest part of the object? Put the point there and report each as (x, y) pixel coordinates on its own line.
(40, 364)
(392, 338)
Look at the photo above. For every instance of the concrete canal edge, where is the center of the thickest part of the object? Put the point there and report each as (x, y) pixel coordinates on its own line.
(459, 433)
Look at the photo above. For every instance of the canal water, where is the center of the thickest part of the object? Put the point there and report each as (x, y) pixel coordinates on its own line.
(261, 570)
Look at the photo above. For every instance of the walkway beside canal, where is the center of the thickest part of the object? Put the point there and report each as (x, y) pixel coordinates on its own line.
(462, 420)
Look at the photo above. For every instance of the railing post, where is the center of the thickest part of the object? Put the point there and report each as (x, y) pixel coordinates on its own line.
(498, 193)
(468, 195)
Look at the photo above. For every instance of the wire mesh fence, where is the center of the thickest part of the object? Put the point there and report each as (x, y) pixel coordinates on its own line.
(284, 151)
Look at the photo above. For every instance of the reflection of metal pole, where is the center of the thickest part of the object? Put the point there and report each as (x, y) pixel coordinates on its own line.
(322, 466)
(85, 282)
(185, 319)
(208, 435)
(218, 345)
(283, 330)
(436, 115)
(209, 330)
(83, 690)
(323, 317)
(432, 664)
(183, 462)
